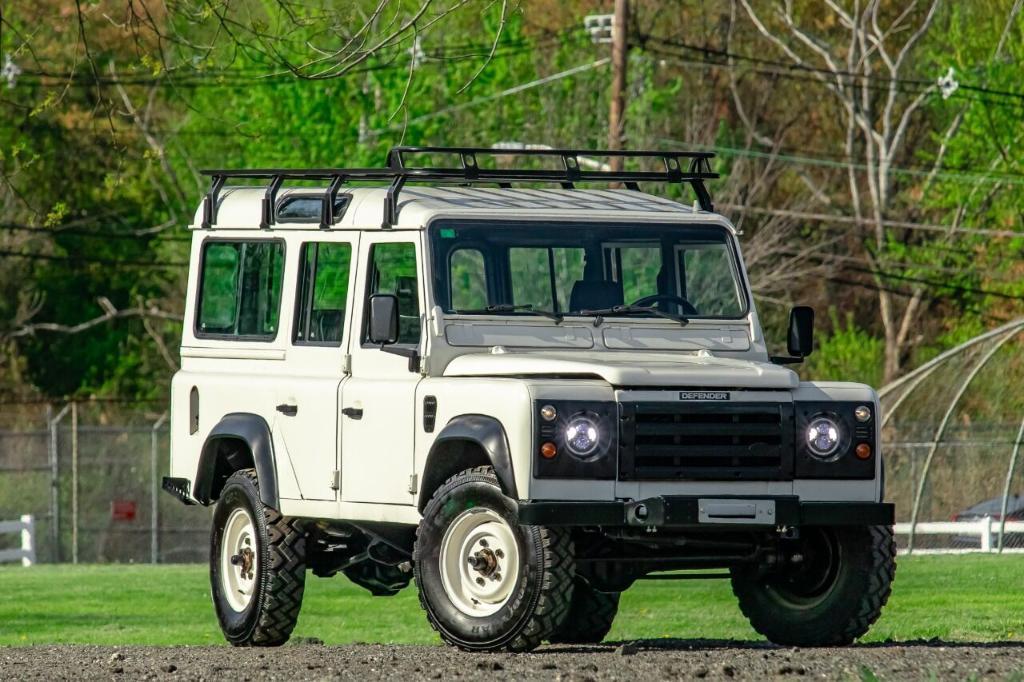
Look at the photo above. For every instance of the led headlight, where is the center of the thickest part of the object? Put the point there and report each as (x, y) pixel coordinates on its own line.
(823, 437)
(582, 435)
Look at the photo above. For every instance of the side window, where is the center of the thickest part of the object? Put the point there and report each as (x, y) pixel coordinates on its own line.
(393, 271)
(240, 292)
(323, 292)
(468, 279)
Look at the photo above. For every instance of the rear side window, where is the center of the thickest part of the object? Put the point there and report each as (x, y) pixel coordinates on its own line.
(323, 293)
(240, 289)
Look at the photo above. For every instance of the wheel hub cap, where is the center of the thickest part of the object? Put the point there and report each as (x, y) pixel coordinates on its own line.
(239, 561)
(479, 562)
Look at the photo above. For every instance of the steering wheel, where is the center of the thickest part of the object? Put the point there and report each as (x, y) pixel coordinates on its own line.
(687, 307)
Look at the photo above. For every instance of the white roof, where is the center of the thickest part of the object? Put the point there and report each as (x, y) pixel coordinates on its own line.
(239, 207)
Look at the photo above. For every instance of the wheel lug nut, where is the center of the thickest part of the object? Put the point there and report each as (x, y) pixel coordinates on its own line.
(483, 543)
(480, 582)
(498, 553)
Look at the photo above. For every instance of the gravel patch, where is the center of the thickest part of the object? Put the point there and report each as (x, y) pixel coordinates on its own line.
(642, 660)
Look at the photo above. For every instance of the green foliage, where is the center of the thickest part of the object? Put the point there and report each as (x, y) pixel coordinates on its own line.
(846, 353)
(956, 598)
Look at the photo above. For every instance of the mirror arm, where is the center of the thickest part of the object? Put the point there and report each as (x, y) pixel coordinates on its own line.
(412, 353)
(785, 360)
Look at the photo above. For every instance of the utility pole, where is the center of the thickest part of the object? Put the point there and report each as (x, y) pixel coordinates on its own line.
(620, 53)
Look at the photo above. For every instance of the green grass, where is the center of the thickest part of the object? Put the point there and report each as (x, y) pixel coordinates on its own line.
(963, 598)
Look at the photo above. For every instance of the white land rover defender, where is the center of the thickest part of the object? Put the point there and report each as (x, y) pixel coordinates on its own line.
(524, 399)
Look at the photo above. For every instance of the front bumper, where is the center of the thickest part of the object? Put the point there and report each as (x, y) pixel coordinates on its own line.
(685, 511)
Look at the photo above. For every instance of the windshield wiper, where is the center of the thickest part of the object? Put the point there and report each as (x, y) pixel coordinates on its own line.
(600, 313)
(509, 308)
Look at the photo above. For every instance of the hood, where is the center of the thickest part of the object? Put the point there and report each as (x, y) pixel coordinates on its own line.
(701, 369)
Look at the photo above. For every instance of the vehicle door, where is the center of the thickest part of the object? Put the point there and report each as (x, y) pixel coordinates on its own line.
(378, 399)
(307, 419)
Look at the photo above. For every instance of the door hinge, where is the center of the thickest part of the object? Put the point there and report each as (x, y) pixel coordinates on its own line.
(335, 480)
(346, 364)
(413, 483)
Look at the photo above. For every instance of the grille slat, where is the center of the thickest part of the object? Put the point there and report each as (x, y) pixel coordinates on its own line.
(706, 440)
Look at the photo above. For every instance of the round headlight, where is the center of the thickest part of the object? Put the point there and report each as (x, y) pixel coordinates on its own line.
(582, 436)
(823, 437)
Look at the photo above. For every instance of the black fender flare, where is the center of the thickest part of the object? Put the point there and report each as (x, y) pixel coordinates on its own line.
(486, 432)
(254, 431)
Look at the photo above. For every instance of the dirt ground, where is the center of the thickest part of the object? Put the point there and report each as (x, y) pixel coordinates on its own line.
(662, 659)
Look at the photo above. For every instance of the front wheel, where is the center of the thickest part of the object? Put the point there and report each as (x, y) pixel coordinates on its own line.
(832, 586)
(486, 582)
(257, 566)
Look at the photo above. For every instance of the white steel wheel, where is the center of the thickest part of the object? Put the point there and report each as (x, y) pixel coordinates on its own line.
(479, 562)
(239, 560)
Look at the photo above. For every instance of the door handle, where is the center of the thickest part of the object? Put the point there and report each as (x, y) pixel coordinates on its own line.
(288, 410)
(353, 412)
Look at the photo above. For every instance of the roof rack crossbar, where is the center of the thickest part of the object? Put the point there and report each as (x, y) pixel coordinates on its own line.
(468, 171)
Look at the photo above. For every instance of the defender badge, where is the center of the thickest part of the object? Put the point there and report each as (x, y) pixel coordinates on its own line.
(704, 395)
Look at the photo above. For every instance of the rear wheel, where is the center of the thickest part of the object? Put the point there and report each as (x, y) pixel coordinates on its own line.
(486, 582)
(257, 566)
(591, 614)
(832, 588)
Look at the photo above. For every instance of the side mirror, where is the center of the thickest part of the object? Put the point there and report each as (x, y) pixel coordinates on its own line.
(800, 340)
(383, 320)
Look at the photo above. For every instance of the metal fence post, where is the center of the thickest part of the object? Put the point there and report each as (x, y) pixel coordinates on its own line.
(154, 512)
(54, 426)
(28, 540)
(74, 482)
(1009, 480)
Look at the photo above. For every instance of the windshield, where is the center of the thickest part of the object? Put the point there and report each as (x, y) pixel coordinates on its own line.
(520, 268)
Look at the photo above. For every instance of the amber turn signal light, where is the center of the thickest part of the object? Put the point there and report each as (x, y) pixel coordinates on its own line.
(863, 451)
(548, 450)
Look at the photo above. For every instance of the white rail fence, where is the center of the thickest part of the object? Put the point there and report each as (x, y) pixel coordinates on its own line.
(968, 537)
(27, 527)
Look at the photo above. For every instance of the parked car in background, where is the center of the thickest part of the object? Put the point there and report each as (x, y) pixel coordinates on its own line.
(992, 508)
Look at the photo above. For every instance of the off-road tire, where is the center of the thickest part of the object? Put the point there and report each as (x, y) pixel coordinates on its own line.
(846, 608)
(541, 597)
(591, 614)
(270, 617)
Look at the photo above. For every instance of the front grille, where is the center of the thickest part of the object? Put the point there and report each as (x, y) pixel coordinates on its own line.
(724, 440)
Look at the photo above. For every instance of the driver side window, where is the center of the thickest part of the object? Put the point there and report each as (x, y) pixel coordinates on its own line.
(393, 271)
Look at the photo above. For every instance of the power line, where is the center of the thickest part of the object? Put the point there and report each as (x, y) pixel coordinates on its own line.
(225, 78)
(946, 173)
(96, 260)
(897, 224)
(59, 231)
(716, 56)
(490, 98)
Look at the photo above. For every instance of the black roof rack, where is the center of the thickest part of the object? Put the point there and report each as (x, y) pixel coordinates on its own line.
(398, 172)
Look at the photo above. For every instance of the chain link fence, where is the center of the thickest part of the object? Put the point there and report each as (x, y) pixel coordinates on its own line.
(90, 474)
